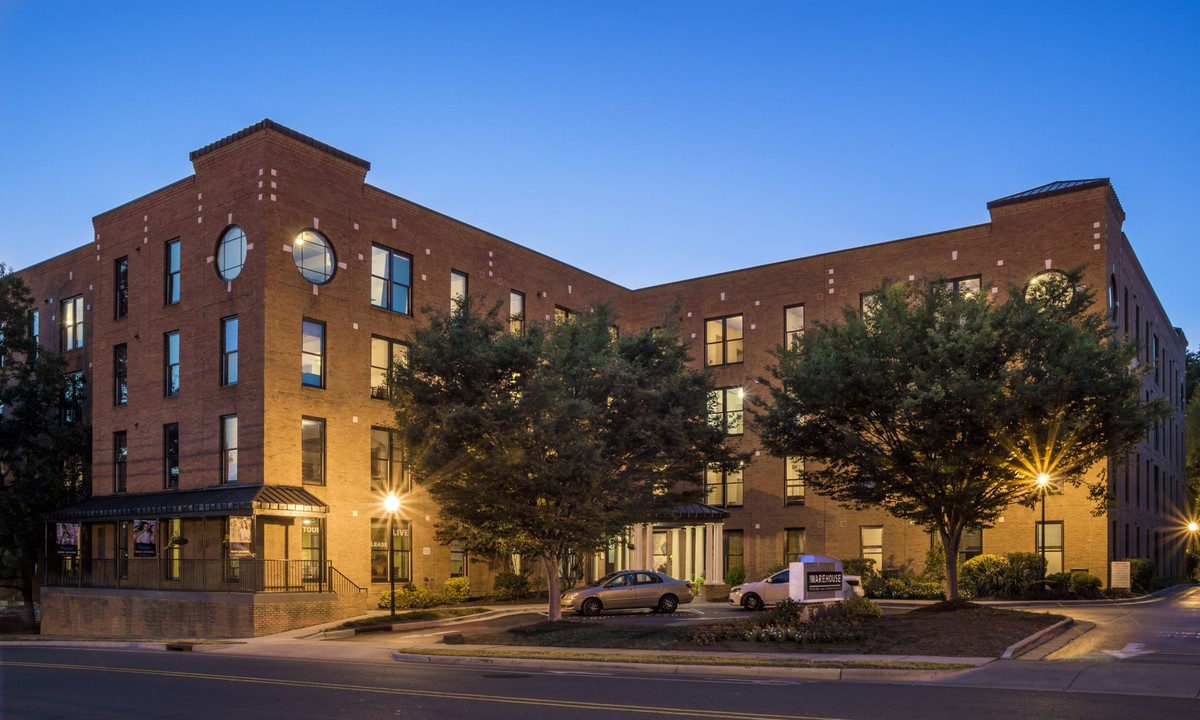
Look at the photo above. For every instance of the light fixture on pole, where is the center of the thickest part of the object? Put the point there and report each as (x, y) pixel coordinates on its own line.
(1043, 482)
(391, 504)
(1193, 528)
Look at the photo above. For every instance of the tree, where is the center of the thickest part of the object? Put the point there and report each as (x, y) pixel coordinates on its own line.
(41, 458)
(943, 407)
(551, 442)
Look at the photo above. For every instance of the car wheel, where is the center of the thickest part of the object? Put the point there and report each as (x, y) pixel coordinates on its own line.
(752, 602)
(668, 603)
(591, 606)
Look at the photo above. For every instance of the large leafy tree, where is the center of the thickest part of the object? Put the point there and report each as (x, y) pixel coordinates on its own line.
(551, 441)
(943, 407)
(41, 458)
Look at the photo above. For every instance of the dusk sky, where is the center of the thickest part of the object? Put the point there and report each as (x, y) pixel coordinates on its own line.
(643, 141)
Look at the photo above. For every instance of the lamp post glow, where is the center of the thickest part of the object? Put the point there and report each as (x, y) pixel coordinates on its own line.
(1193, 528)
(391, 504)
(1043, 483)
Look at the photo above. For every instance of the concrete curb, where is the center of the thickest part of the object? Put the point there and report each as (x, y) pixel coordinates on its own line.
(743, 671)
(1037, 638)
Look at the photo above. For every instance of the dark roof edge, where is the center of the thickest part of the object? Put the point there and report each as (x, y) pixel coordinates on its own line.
(268, 124)
(1036, 194)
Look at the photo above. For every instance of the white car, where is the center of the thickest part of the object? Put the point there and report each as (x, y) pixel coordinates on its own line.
(773, 588)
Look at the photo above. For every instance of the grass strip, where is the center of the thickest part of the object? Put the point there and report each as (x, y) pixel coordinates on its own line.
(411, 616)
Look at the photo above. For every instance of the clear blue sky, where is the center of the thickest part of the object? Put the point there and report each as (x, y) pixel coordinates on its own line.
(643, 141)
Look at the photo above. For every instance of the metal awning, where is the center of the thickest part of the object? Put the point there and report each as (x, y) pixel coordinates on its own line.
(215, 501)
(695, 511)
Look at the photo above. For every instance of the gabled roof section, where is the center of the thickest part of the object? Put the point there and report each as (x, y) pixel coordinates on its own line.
(224, 500)
(268, 124)
(1058, 187)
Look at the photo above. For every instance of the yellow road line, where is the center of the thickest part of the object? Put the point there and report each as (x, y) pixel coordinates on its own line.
(566, 704)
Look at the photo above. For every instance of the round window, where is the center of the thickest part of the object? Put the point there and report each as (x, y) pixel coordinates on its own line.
(313, 256)
(1051, 286)
(231, 253)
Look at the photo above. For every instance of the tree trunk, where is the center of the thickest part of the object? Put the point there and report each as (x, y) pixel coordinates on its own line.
(950, 546)
(27, 615)
(550, 560)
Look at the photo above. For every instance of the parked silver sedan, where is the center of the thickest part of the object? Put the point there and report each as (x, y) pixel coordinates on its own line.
(629, 589)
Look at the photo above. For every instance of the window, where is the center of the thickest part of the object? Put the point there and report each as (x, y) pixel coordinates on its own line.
(723, 340)
(562, 314)
(458, 561)
(385, 353)
(1050, 286)
(229, 449)
(313, 256)
(35, 327)
(171, 456)
(966, 285)
(171, 364)
(311, 549)
(312, 451)
(971, 544)
(312, 353)
(458, 288)
(121, 288)
(793, 473)
(735, 554)
(1049, 541)
(391, 280)
(401, 557)
(516, 312)
(723, 488)
(389, 471)
(229, 350)
(71, 408)
(868, 304)
(793, 325)
(120, 374)
(171, 284)
(725, 409)
(871, 540)
(231, 253)
(72, 323)
(120, 460)
(793, 544)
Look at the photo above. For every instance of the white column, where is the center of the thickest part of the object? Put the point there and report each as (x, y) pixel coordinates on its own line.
(714, 552)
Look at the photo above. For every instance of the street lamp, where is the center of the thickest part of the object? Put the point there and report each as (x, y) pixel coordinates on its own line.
(1043, 483)
(1192, 527)
(391, 504)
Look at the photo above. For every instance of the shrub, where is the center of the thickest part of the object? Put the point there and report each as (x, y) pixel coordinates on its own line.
(410, 597)
(511, 586)
(984, 575)
(735, 576)
(862, 567)
(1193, 563)
(935, 564)
(1141, 572)
(456, 590)
(786, 612)
(1084, 583)
(907, 587)
(852, 609)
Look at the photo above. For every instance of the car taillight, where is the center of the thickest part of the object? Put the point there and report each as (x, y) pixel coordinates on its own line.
(689, 585)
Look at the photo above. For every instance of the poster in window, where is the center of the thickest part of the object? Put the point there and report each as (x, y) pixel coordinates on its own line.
(143, 538)
(239, 536)
(68, 538)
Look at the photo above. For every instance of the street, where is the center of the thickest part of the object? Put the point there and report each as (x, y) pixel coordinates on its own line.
(43, 682)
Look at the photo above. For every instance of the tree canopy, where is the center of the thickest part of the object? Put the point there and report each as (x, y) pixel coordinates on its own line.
(943, 407)
(551, 441)
(41, 458)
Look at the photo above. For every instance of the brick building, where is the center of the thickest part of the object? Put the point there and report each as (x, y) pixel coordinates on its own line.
(233, 329)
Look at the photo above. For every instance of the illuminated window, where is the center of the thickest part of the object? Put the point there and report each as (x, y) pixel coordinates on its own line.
(735, 553)
(793, 480)
(1049, 540)
(871, 541)
(966, 285)
(385, 354)
(516, 312)
(725, 409)
(402, 555)
(723, 340)
(458, 288)
(793, 544)
(793, 325)
(389, 472)
(458, 561)
(71, 319)
(312, 353)
(723, 488)
(229, 449)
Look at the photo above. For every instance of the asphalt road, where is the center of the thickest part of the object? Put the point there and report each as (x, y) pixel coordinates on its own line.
(38, 683)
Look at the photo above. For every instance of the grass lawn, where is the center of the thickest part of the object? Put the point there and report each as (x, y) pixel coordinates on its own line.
(409, 616)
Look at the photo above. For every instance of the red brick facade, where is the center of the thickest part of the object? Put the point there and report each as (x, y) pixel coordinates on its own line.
(275, 184)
